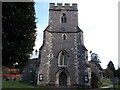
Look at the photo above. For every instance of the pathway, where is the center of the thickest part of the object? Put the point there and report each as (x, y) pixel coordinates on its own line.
(108, 85)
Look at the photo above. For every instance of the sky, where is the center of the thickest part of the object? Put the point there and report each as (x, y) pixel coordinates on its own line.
(98, 19)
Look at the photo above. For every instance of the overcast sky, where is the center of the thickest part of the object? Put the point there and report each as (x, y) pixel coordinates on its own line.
(97, 18)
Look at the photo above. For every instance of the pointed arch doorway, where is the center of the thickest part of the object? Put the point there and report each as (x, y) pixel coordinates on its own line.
(62, 78)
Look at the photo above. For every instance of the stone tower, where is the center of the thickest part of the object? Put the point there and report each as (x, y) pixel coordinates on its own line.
(63, 56)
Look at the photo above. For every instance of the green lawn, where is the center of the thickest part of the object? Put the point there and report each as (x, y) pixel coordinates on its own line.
(21, 84)
(101, 85)
(16, 84)
(118, 87)
(107, 81)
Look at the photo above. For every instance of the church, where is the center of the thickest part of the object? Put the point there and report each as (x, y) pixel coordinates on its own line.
(63, 57)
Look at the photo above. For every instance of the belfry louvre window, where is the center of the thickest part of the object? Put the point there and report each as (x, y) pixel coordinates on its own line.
(64, 36)
(62, 59)
(63, 18)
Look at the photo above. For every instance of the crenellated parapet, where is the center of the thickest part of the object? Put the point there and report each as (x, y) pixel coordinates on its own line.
(66, 6)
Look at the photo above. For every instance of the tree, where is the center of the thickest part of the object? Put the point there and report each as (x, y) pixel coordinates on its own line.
(108, 73)
(111, 67)
(18, 32)
(118, 72)
(94, 80)
(96, 60)
(99, 66)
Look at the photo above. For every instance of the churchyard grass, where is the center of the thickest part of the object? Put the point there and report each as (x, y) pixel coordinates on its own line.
(15, 84)
(107, 81)
(20, 84)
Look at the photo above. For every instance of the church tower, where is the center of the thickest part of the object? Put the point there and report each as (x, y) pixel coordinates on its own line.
(63, 56)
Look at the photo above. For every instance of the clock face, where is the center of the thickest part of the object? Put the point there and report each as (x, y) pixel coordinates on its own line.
(63, 28)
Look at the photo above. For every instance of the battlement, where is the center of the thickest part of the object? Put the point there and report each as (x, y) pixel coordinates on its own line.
(60, 6)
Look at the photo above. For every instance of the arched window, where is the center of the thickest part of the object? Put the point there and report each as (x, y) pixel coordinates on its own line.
(62, 59)
(64, 36)
(63, 18)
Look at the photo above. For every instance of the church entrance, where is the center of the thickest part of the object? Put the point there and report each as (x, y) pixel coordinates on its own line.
(62, 79)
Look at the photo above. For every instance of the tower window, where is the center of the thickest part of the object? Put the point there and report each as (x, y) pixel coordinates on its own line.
(64, 36)
(63, 18)
(62, 59)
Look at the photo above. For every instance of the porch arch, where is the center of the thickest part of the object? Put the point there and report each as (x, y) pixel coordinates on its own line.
(62, 72)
